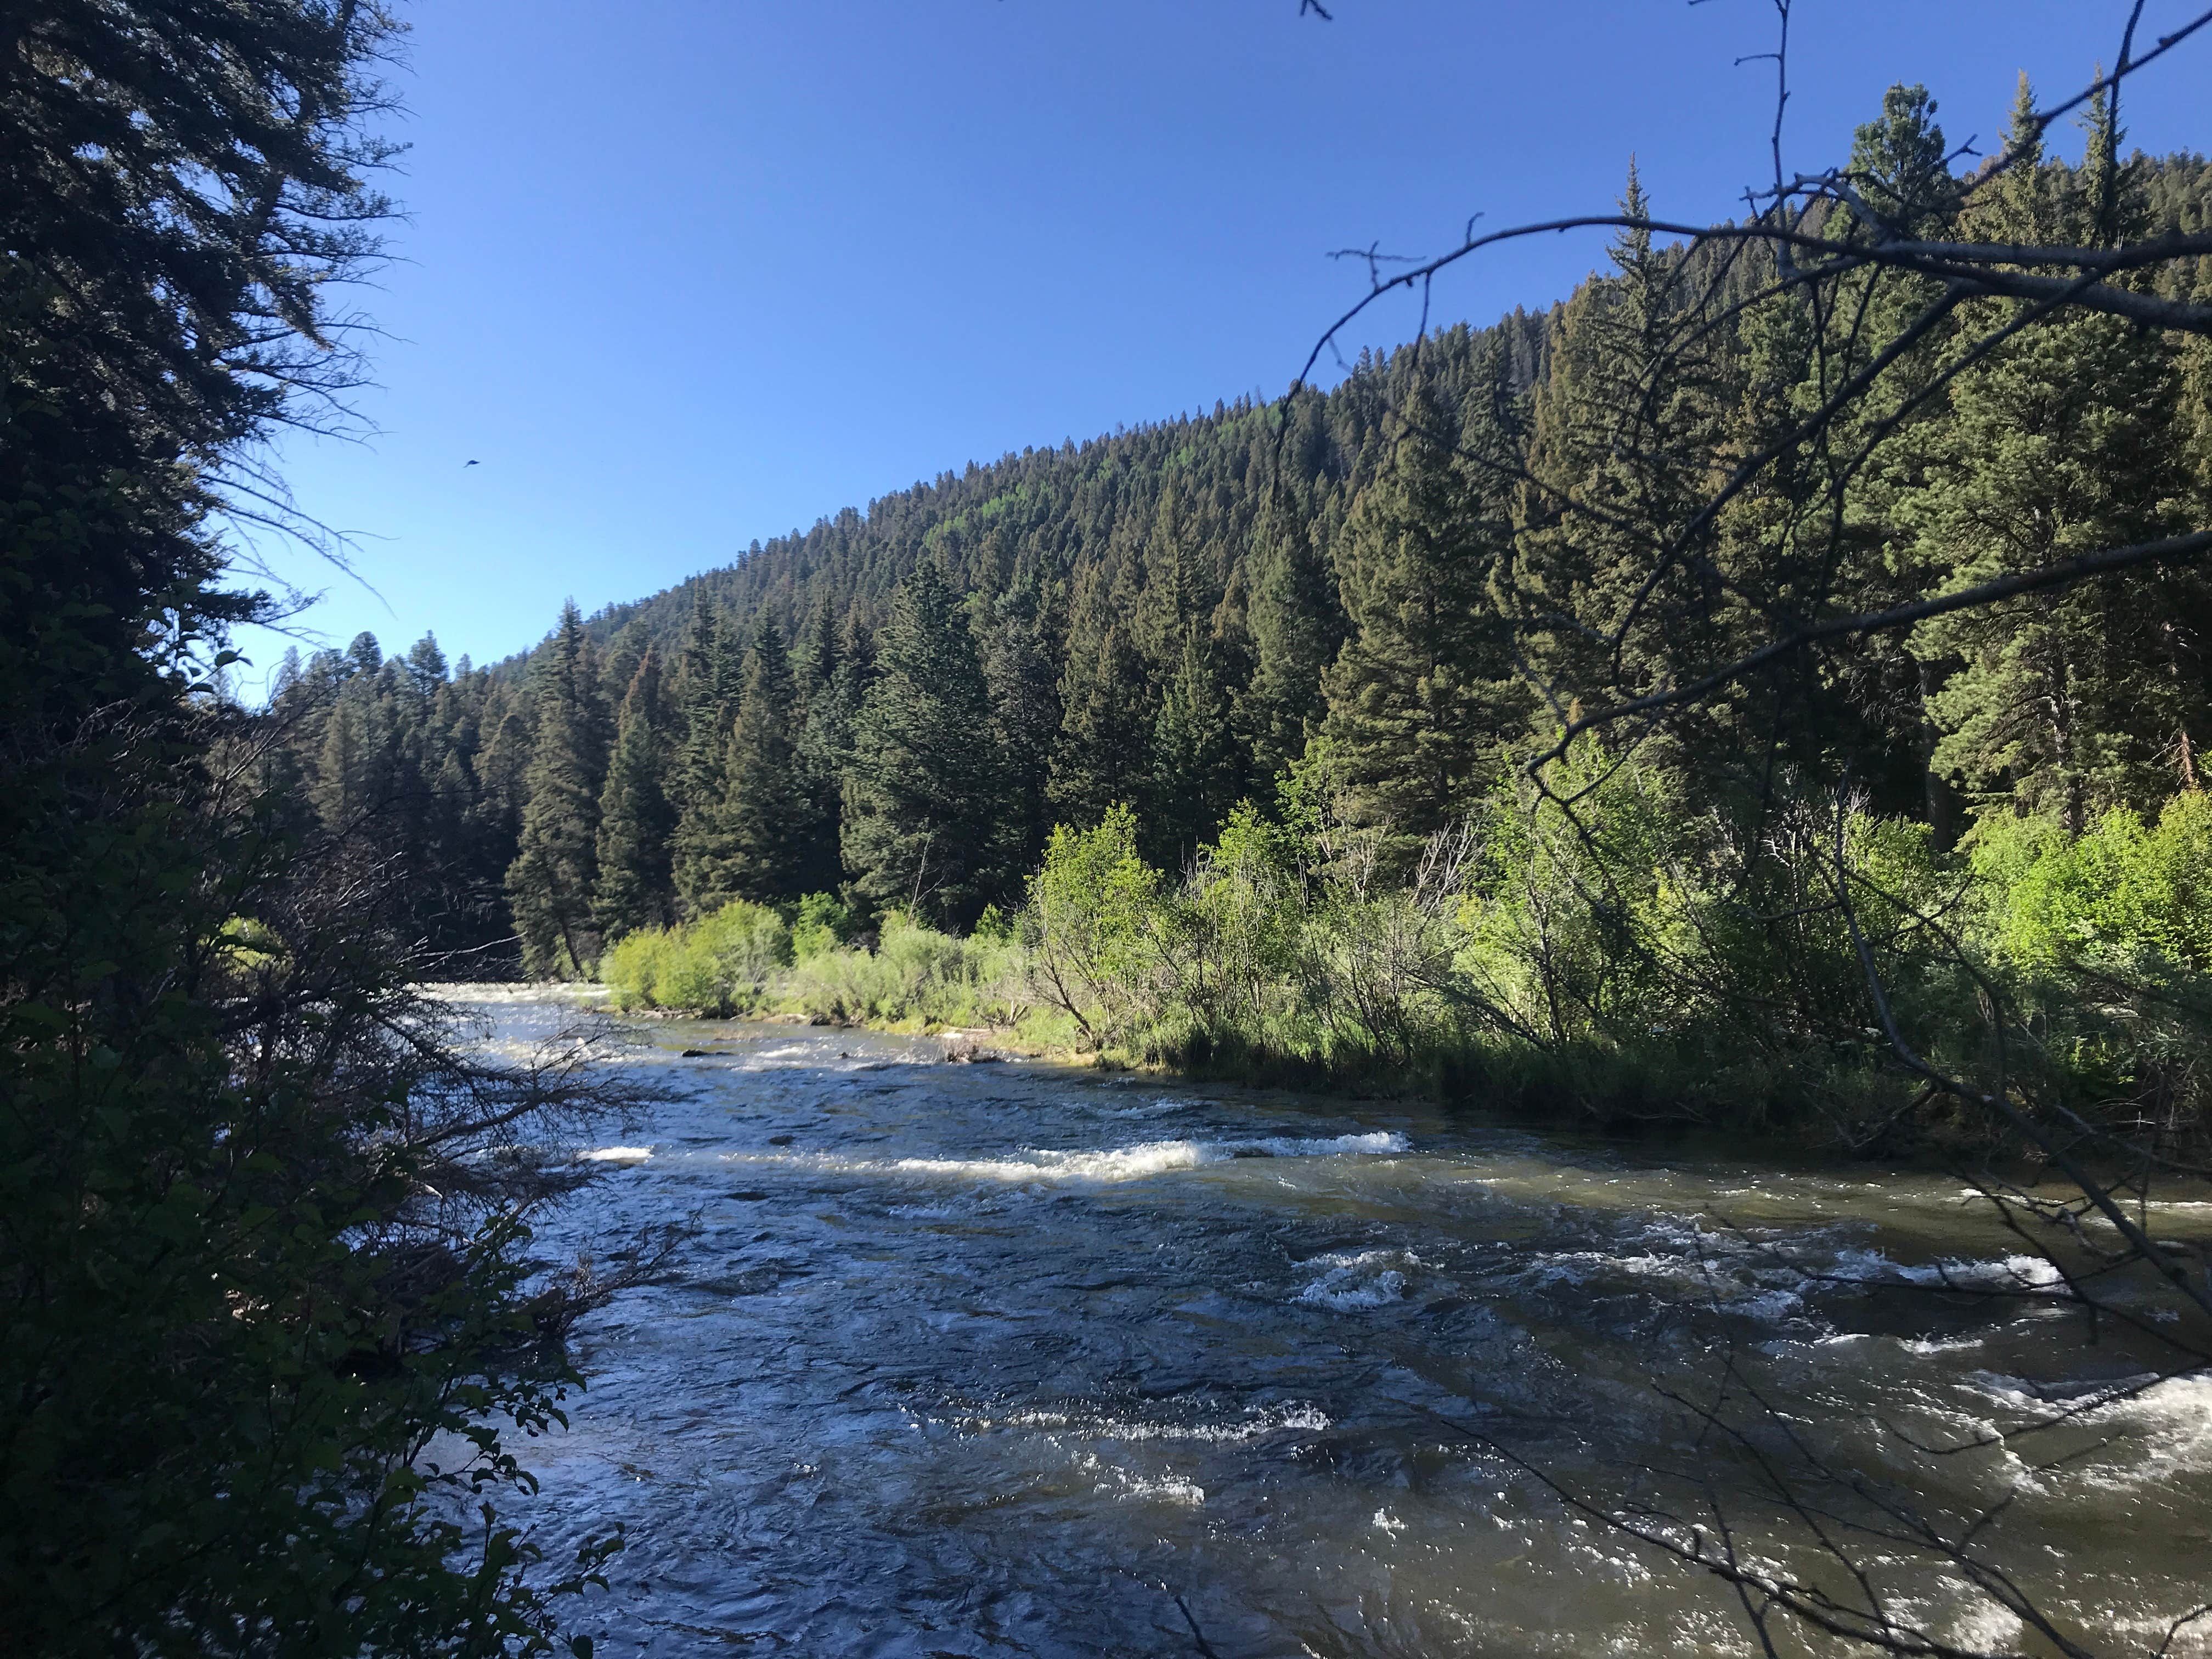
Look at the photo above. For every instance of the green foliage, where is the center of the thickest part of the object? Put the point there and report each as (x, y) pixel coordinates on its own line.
(1418, 702)
(921, 818)
(418, 760)
(761, 843)
(720, 964)
(1197, 767)
(1631, 958)
(256, 1261)
(1095, 901)
(823, 922)
(1296, 623)
(915, 975)
(636, 885)
(742, 960)
(2124, 894)
(556, 868)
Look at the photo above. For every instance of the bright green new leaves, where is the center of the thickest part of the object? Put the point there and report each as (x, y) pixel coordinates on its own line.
(1096, 904)
(2126, 894)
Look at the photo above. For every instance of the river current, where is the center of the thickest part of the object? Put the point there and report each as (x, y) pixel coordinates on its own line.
(1014, 1358)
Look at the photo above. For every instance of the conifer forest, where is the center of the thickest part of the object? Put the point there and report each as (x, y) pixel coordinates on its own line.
(1347, 630)
(1760, 699)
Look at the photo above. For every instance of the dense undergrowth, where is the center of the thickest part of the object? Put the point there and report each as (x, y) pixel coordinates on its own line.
(1636, 960)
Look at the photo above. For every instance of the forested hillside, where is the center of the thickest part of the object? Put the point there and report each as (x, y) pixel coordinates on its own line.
(1379, 600)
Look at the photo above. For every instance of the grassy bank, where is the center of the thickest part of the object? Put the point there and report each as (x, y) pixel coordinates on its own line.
(1613, 968)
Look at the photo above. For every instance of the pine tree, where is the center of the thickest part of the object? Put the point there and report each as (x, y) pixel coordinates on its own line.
(814, 657)
(835, 710)
(550, 883)
(618, 663)
(364, 657)
(1102, 758)
(835, 670)
(637, 824)
(1197, 772)
(1873, 707)
(1026, 712)
(922, 819)
(2059, 444)
(1298, 626)
(341, 788)
(426, 666)
(708, 695)
(1417, 698)
(769, 821)
(1614, 592)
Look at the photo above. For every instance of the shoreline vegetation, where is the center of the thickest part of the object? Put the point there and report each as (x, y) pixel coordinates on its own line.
(1507, 974)
(1444, 731)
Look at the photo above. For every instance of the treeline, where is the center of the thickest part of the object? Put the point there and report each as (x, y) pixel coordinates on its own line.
(1389, 595)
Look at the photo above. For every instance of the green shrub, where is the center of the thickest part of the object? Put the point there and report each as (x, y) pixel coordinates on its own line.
(1637, 959)
(631, 967)
(720, 964)
(2124, 892)
(823, 922)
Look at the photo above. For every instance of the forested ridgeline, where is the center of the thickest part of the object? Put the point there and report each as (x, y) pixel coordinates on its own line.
(1078, 573)
(1365, 612)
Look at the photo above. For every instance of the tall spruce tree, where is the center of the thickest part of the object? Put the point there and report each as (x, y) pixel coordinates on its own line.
(549, 885)
(922, 817)
(814, 654)
(1298, 627)
(1417, 698)
(769, 822)
(425, 667)
(1026, 712)
(2059, 444)
(708, 695)
(1868, 705)
(1198, 770)
(637, 824)
(1102, 758)
(1613, 592)
(834, 668)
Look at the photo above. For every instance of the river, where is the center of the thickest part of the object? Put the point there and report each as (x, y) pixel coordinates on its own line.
(1014, 1358)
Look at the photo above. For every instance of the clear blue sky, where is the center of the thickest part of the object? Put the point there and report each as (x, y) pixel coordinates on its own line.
(687, 273)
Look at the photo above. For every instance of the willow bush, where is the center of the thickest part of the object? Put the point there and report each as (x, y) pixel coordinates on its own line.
(1607, 951)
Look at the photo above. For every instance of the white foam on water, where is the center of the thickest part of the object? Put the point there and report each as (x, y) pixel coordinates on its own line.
(1034, 1165)
(1777, 1285)
(1255, 1425)
(617, 1155)
(1986, 1628)
(1386, 1521)
(1774, 1307)
(1163, 1106)
(1773, 1293)
(2014, 1273)
(789, 1051)
(2162, 1434)
(1355, 1280)
(1164, 1489)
